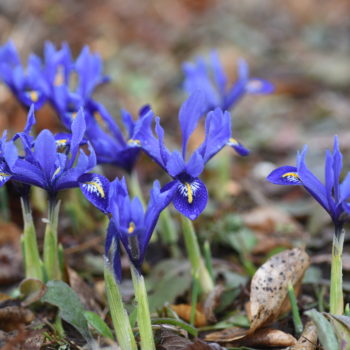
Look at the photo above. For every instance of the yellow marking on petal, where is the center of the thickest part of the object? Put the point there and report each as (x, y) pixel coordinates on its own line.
(97, 186)
(98, 118)
(34, 96)
(74, 115)
(59, 77)
(4, 174)
(189, 192)
(292, 175)
(134, 141)
(233, 141)
(56, 172)
(131, 228)
(62, 141)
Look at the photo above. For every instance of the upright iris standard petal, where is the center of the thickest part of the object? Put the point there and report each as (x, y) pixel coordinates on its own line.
(95, 188)
(190, 198)
(190, 112)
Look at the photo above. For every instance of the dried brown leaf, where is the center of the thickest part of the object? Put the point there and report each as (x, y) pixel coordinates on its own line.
(308, 340)
(268, 338)
(271, 219)
(269, 286)
(184, 312)
(11, 317)
(212, 302)
(227, 335)
(85, 292)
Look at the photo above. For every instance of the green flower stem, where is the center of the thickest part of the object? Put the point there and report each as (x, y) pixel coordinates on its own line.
(168, 233)
(208, 259)
(135, 187)
(194, 298)
(222, 172)
(120, 319)
(33, 265)
(298, 325)
(51, 256)
(195, 257)
(336, 293)
(143, 314)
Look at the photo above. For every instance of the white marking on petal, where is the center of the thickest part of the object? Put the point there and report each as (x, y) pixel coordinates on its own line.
(94, 186)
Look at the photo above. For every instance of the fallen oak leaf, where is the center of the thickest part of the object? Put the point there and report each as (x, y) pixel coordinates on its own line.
(269, 286)
(308, 339)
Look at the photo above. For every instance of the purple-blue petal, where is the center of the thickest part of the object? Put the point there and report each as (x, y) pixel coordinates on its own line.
(190, 199)
(285, 175)
(95, 188)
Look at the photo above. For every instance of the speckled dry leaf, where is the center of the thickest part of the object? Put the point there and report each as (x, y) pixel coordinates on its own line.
(184, 312)
(269, 287)
(267, 337)
(308, 340)
(227, 335)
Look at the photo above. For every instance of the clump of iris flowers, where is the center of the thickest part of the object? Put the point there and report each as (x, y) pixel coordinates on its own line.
(332, 196)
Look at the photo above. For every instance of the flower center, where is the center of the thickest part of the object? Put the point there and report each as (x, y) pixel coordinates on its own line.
(189, 189)
(33, 95)
(131, 228)
(134, 142)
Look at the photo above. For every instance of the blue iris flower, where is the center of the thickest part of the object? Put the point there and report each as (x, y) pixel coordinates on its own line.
(332, 195)
(59, 69)
(213, 81)
(27, 84)
(191, 195)
(130, 225)
(53, 163)
(108, 140)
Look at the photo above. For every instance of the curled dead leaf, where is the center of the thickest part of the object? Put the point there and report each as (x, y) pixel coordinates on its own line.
(268, 338)
(32, 290)
(308, 339)
(184, 312)
(227, 335)
(269, 286)
(212, 302)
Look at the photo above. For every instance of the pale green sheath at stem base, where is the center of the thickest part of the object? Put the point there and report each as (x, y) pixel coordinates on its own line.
(51, 256)
(120, 319)
(194, 254)
(336, 293)
(143, 314)
(33, 265)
